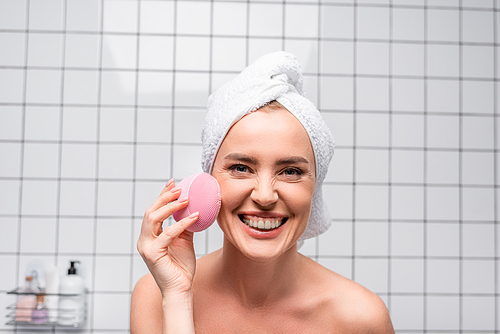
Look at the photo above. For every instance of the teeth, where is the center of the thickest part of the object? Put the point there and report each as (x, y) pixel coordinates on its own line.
(263, 224)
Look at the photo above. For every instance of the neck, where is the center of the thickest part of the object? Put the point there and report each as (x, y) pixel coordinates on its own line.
(259, 283)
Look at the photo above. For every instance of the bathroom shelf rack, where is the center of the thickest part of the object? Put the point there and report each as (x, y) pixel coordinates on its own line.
(73, 318)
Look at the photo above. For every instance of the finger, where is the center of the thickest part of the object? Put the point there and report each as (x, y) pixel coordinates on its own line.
(173, 231)
(168, 194)
(153, 221)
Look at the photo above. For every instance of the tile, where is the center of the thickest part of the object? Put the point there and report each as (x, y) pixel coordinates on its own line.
(407, 275)
(102, 319)
(477, 168)
(45, 49)
(43, 86)
(139, 269)
(408, 95)
(234, 24)
(339, 199)
(478, 97)
(191, 89)
(112, 273)
(156, 52)
(113, 236)
(39, 197)
(443, 60)
(114, 198)
(11, 122)
(408, 24)
(8, 278)
(9, 236)
(443, 96)
(478, 204)
(370, 239)
(78, 161)
(76, 236)
(151, 163)
(442, 203)
(81, 87)
(265, 19)
(9, 197)
(228, 54)
(186, 160)
(337, 22)
(372, 58)
(337, 240)
(306, 52)
(311, 88)
(120, 16)
(79, 123)
(337, 57)
(407, 312)
(192, 53)
(256, 47)
(83, 15)
(154, 125)
(145, 193)
(442, 167)
(373, 23)
(47, 15)
(478, 4)
(38, 235)
(14, 42)
(119, 51)
(446, 3)
(407, 166)
(443, 276)
(443, 313)
(372, 94)
(156, 17)
(188, 126)
(340, 266)
(115, 161)
(308, 15)
(443, 25)
(13, 14)
(407, 202)
(372, 166)
(408, 59)
(372, 274)
(10, 153)
(478, 61)
(81, 50)
(372, 129)
(371, 202)
(341, 167)
(443, 239)
(407, 239)
(477, 132)
(478, 313)
(443, 131)
(11, 85)
(477, 26)
(408, 131)
(77, 198)
(193, 17)
(116, 125)
(478, 240)
(42, 123)
(118, 88)
(342, 127)
(41, 160)
(155, 89)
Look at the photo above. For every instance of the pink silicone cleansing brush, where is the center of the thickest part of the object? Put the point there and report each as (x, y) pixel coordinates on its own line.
(203, 192)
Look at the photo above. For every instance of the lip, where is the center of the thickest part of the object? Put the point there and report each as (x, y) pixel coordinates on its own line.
(262, 234)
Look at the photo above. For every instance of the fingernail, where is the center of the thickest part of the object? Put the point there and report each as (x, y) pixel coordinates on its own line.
(175, 189)
(183, 199)
(195, 214)
(170, 182)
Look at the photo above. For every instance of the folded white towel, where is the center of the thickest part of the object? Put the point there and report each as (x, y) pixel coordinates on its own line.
(275, 76)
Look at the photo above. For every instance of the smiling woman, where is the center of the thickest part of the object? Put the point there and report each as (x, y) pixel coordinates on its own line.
(269, 149)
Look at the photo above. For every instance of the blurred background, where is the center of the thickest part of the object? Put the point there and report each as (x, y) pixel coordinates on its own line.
(102, 101)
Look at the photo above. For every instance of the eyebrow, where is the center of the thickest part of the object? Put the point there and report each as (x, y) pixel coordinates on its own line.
(285, 161)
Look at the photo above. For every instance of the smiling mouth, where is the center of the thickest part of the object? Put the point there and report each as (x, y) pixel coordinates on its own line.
(263, 224)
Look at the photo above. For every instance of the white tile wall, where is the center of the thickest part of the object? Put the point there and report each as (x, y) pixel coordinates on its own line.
(102, 101)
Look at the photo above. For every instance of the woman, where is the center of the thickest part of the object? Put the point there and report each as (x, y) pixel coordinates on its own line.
(269, 149)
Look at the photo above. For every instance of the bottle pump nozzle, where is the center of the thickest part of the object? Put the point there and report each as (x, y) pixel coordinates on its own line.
(72, 269)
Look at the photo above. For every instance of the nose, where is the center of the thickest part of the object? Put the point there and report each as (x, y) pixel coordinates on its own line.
(264, 193)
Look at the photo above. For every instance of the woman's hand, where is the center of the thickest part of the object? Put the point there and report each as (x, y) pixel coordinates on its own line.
(169, 254)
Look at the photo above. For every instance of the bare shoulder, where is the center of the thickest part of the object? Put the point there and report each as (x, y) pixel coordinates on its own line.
(352, 306)
(145, 307)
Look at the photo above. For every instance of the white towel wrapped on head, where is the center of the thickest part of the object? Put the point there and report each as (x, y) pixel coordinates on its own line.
(275, 76)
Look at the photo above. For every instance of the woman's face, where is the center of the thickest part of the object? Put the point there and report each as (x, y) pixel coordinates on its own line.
(266, 171)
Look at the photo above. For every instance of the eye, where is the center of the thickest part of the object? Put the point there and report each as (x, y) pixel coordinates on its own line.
(292, 172)
(239, 169)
